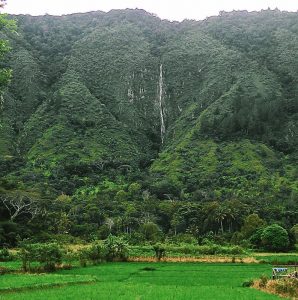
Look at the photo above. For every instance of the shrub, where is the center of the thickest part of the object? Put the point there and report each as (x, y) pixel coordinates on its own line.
(150, 231)
(237, 238)
(139, 251)
(96, 253)
(263, 281)
(287, 287)
(27, 256)
(69, 256)
(83, 257)
(48, 255)
(275, 238)
(160, 251)
(8, 233)
(112, 249)
(256, 238)
(208, 249)
(236, 250)
(135, 238)
(184, 238)
(116, 249)
(294, 231)
(5, 255)
(251, 224)
(4, 270)
(187, 250)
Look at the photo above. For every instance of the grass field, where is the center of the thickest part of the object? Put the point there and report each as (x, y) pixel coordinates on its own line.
(139, 281)
(278, 259)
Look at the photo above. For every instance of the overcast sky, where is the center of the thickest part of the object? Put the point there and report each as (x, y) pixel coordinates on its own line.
(165, 9)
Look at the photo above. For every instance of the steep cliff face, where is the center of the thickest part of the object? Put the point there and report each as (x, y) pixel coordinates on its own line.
(201, 106)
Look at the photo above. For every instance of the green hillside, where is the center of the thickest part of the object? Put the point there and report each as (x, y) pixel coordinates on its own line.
(122, 116)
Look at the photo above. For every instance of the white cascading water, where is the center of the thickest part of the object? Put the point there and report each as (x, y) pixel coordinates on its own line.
(161, 110)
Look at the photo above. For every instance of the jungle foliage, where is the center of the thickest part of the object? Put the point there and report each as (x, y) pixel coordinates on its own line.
(83, 153)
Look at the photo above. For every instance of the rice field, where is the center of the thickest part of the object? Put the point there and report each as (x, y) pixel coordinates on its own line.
(135, 280)
(278, 259)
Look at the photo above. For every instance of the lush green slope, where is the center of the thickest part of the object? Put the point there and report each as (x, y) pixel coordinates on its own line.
(197, 111)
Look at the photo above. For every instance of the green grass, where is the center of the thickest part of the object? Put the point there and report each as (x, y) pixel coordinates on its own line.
(12, 265)
(133, 281)
(15, 282)
(188, 250)
(276, 259)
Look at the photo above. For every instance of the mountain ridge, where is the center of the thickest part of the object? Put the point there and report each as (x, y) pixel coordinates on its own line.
(146, 97)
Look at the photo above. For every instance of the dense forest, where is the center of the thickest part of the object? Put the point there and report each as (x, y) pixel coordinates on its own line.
(127, 124)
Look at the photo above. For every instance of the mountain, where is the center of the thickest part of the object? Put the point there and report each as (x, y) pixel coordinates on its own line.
(194, 111)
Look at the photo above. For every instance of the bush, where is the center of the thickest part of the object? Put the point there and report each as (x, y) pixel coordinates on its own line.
(151, 232)
(287, 287)
(263, 281)
(251, 224)
(82, 255)
(135, 238)
(116, 249)
(5, 255)
(95, 254)
(184, 238)
(275, 238)
(160, 251)
(141, 251)
(236, 250)
(48, 255)
(27, 256)
(256, 238)
(237, 238)
(187, 250)
(8, 233)
(4, 270)
(112, 249)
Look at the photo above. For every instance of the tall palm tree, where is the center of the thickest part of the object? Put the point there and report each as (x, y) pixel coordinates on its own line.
(220, 216)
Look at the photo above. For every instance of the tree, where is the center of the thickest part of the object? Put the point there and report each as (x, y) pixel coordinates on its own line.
(294, 231)
(220, 216)
(275, 238)
(20, 204)
(160, 251)
(150, 231)
(134, 190)
(5, 26)
(110, 223)
(5, 72)
(48, 255)
(116, 248)
(251, 224)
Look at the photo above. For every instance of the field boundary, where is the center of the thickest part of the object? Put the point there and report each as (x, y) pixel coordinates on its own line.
(45, 286)
(207, 259)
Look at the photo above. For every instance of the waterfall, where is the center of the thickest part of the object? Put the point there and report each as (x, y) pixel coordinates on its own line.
(161, 109)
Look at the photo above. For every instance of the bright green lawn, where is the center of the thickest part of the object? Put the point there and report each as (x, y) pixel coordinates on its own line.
(129, 281)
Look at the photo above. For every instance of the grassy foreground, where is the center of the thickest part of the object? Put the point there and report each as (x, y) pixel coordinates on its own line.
(139, 281)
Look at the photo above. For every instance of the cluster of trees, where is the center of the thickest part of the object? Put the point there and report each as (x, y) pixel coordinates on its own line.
(5, 72)
(142, 218)
(51, 255)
